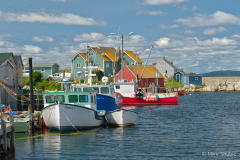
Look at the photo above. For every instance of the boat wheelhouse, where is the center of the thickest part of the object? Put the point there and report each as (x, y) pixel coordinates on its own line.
(71, 110)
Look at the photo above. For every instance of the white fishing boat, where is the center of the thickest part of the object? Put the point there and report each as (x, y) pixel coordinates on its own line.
(107, 100)
(73, 111)
(121, 117)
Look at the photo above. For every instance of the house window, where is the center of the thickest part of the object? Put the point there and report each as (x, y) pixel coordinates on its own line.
(98, 64)
(53, 69)
(196, 78)
(42, 69)
(107, 65)
(90, 54)
(78, 65)
(78, 55)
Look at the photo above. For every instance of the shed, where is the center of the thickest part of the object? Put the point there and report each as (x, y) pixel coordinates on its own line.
(178, 75)
(45, 68)
(192, 78)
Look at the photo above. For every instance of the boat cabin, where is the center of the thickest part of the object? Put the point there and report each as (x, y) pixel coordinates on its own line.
(125, 89)
(86, 98)
(99, 89)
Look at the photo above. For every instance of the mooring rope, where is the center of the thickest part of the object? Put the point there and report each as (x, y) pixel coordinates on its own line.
(62, 134)
(70, 122)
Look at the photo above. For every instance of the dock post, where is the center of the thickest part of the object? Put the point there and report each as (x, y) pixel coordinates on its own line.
(31, 93)
(4, 136)
(12, 134)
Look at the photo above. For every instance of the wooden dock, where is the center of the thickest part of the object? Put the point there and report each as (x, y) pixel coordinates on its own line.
(7, 136)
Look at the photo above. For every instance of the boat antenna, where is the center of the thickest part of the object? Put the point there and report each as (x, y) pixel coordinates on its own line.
(151, 47)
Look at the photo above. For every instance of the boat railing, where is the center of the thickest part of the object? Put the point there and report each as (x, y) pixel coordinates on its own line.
(158, 89)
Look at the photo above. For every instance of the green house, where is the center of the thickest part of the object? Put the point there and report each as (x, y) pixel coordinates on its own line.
(108, 60)
(45, 68)
(103, 57)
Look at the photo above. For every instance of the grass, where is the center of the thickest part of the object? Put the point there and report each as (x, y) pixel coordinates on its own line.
(170, 82)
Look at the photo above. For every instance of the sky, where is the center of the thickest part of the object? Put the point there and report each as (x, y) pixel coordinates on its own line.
(198, 36)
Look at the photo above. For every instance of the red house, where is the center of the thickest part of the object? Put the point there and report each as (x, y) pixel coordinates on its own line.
(149, 75)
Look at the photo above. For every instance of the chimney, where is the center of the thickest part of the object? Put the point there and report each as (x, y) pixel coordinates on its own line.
(118, 51)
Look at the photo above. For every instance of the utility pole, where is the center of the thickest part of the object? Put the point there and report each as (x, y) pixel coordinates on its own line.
(31, 109)
(122, 56)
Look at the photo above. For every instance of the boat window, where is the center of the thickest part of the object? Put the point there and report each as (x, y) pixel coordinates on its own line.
(104, 90)
(96, 89)
(117, 87)
(91, 99)
(60, 98)
(83, 98)
(94, 99)
(73, 98)
(112, 90)
(50, 99)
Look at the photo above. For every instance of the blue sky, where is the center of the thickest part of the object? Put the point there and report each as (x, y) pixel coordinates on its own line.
(196, 35)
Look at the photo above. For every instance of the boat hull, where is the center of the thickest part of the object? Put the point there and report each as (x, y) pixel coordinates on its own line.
(67, 117)
(121, 117)
(105, 102)
(141, 101)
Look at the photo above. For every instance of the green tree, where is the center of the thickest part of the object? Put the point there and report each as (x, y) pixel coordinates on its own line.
(37, 77)
(99, 74)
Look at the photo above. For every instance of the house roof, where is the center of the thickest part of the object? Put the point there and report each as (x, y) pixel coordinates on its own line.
(133, 56)
(18, 59)
(42, 65)
(192, 74)
(4, 57)
(106, 53)
(84, 56)
(170, 63)
(110, 56)
(149, 72)
(103, 57)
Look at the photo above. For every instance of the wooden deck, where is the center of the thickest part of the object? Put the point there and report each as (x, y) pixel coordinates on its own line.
(8, 129)
(7, 136)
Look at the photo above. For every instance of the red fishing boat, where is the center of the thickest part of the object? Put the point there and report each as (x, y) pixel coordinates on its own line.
(127, 92)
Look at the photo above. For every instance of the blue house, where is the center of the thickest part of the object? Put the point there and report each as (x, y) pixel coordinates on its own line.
(192, 78)
(45, 68)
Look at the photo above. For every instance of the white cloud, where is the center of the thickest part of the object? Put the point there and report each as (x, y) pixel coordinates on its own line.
(168, 26)
(217, 18)
(5, 36)
(164, 2)
(43, 39)
(188, 32)
(32, 49)
(151, 13)
(196, 64)
(64, 18)
(163, 42)
(89, 37)
(209, 46)
(213, 31)
(235, 36)
(186, 8)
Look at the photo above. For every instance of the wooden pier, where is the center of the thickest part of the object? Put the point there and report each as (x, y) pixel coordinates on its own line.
(7, 136)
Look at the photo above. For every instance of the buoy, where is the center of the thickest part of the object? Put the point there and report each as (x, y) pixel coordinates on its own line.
(157, 96)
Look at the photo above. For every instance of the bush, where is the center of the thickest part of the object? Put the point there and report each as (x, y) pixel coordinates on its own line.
(99, 74)
(37, 77)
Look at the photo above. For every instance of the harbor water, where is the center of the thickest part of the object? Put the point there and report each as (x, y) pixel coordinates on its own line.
(201, 126)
